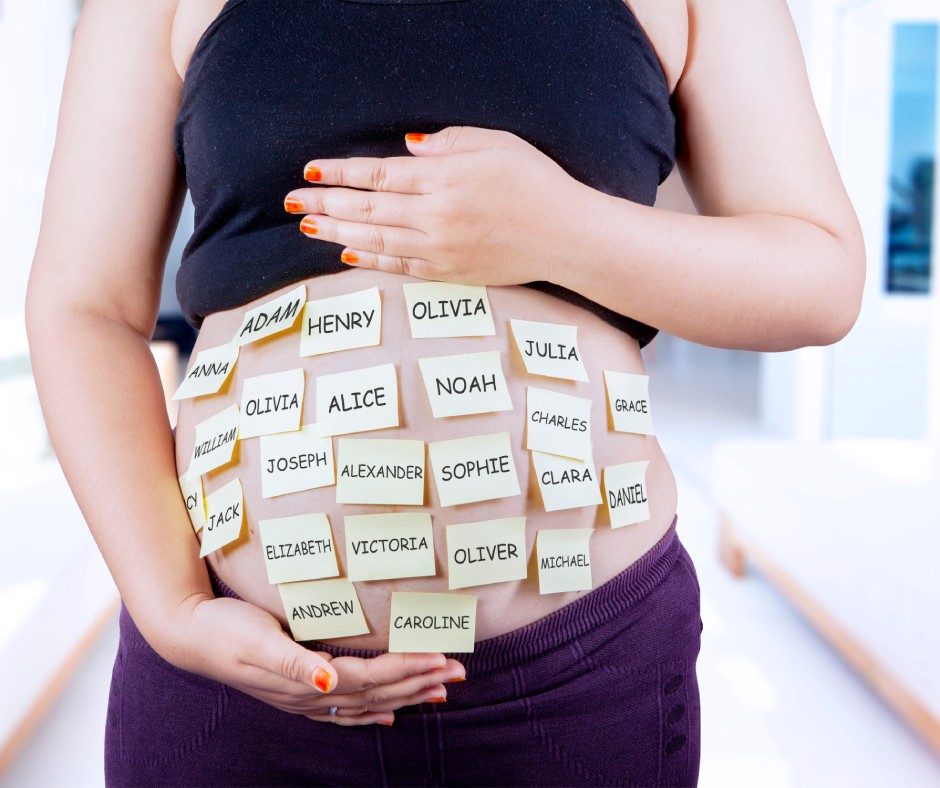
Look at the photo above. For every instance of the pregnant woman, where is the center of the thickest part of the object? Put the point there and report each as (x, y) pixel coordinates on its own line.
(344, 147)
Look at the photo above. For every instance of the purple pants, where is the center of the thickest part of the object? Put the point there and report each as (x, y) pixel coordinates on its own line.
(600, 692)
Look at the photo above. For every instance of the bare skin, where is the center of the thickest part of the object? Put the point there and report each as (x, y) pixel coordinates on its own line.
(775, 263)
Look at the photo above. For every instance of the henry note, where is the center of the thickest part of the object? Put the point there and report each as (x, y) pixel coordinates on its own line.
(341, 323)
(558, 423)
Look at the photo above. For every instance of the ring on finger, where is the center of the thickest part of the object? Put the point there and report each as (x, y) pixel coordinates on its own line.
(333, 710)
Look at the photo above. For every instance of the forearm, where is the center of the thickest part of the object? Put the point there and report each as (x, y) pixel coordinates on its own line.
(754, 281)
(105, 411)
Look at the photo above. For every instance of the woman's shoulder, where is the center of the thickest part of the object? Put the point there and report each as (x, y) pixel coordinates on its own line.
(666, 23)
(191, 20)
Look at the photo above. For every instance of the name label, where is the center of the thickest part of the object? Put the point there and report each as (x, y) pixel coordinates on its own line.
(625, 493)
(323, 609)
(629, 402)
(564, 560)
(295, 461)
(215, 440)
(208, 372)
(194, 500)
(479, 468)
(357, 401)
(298, 548)
(549, 349)
(271, 317)
(271, 403)
(465, 384)
(492, 551)
(443, 309)
(383, 471)
(341, 323)
(558, 423)
(224, 517)
(566, 483)
(390, 545)
(421, 622)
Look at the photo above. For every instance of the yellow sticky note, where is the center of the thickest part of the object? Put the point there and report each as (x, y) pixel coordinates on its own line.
(474, 469)
(323, 609)
(558, 423)
(298, 548)
(386, 470)
(443, 309)
(274, 316)
(549, 349)
(465, 384)
(215, 440)
(422, 622)
(271, 404)
(629, 400)
(357, 401)
(341, 323)
(208, 372)
(224, 517)
(566, 483)
(564, 560)
(194, 500)
(625, 490)
(295, 461)
(492, 551)
(390, 545)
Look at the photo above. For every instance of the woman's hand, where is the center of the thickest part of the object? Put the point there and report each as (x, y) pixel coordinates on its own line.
(474, 205)
(241, 645)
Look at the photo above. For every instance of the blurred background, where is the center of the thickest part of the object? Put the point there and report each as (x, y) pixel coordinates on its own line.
(809, 480)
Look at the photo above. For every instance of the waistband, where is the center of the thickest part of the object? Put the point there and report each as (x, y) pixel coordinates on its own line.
(609, 600)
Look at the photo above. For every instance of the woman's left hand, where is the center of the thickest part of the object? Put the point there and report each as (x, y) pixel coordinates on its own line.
(473, 205)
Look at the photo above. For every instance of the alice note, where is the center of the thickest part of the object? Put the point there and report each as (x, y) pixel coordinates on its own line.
(389, 545)
(341, 323)
(465, 384)
(443, 309)
(386, 471)
(474, 469)
(629, 400)
(271, 404)
(295, 461)
(208, 372)
(566, 483)
(625, 490)
(276, 315)
(224, 517)
(422, 622)
(492, 551)
(564, 560)
(194, 500)
(558, 423)
(357, 401)
(215, 440)
(298, 548)
(549, 349)
(323, 609)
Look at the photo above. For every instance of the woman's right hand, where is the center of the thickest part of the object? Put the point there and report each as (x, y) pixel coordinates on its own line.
(241, 645)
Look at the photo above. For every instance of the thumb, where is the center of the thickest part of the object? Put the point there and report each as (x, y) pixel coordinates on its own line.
(298, 664)
(455, 139)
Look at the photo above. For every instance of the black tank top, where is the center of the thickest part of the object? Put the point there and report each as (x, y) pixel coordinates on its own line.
(273, 84)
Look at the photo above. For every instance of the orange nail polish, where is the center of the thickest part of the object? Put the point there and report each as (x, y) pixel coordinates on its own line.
(389, 724)
(293, 205)
(415, 137)
(436, 700)
(309, 226)
(349, 257)
(456, 679)
(313, 174)
(322, 680)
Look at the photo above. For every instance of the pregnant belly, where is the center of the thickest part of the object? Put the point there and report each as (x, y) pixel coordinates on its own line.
(501, 606)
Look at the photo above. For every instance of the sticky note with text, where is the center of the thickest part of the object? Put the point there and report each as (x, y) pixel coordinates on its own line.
(389, 545)
(625, 491)
(298, 548)
(271, 317)
(445, 309)
(208, 372)
(384, 470)
(421, 622)
(224, 517)
(491, 551)
(357, 401)
(341, 322)
(478, 468)
(215, 441)
(465, 384)
(566, 483)
(194, 500)
(271, 404)
(564, 559)
(295, 461)
(558, 423)
(323, 609)
(629, 401)
(549, 349)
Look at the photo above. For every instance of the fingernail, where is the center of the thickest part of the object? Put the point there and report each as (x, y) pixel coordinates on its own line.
(415, 137)
(308, 226)
(388, 724)
(313, 174)
(436, 700)
(455, 679)
(322, 680)
(349, 257)
(293, 205)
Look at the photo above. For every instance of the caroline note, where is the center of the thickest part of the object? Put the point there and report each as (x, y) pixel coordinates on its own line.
(295, 461)
(566, 483)
(625, 489)
(492, 551)
(389, 545)
(215, 441)
(474, 469)
(357, 401)
(384, 470)
(271, 403)
(629, 400)
(323, 609)
(298, 548)
(465, 384)
(271, 317)
(224, 517)
(558, 423)
(422, 622)
(549, 349)
(341, 323)
(564, 559)
(194, 500)
(443, 309)
(208, 372)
